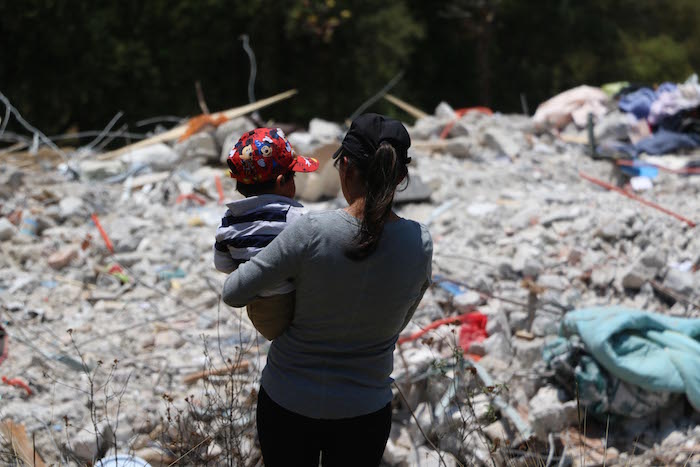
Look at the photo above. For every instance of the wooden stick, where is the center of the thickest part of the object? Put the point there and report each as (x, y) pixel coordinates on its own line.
(200, 98)
(16, 435)
(179, 130)
(405, 106)
(639, 199)
(238, 368)
(14, 148)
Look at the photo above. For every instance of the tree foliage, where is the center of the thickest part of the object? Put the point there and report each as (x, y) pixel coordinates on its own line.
(74, 64)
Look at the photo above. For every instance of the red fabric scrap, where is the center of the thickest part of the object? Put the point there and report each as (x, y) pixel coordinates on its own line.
(16, 382)
(473, 329)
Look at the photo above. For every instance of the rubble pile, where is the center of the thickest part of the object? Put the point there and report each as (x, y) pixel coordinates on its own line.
(111, 307)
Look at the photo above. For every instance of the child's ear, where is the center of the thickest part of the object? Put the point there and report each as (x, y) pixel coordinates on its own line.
(280, 181)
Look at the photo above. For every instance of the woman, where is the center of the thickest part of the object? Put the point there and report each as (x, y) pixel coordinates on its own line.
(359, 274)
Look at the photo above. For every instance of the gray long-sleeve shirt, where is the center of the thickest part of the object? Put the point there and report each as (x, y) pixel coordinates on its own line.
(336, 358)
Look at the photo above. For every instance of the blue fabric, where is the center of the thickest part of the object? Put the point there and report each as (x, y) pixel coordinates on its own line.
(661, 142)
(649, 350)
(639, 102)
(664, 142)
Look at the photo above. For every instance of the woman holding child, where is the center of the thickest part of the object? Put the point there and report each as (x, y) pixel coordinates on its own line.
(358, 274)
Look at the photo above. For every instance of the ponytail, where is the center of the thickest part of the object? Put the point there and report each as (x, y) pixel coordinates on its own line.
(382, 173)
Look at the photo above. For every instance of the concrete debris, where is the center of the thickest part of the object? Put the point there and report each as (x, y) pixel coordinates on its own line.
(551, 411)
(100, 170)
(157, 156)
(682, 282)
(325, 131)
(510, 219)
(460, 147)
(7, 229)
(200, 146)
(232, 130)
(503, 142)
(92, 441)
(528, 352)
(61, 258)
(416, 191)
(72, 206)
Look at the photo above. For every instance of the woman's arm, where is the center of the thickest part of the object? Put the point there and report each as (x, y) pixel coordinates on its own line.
(427, 244)
(278, 261)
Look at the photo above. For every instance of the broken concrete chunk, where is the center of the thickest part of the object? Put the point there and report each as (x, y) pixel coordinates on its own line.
(157, 156)
(637, 275)
(199, 145)
(399, 447)
(445, 111)
(427, 127)
(532, 267)
(325, 131)
(498, 346)
(415, 192)
(232, 130)
(460, 147)
(528, 352)
(681, 282)
(99, 170)
(602, 277)
(7, 229)
(503, 141)
(553, 281)
(655, 259)
(467, 301)
(61, 258)
(544, 324)
(72, 206)
(613, 230)
(168, 340)
(88, 446)
(551, 412)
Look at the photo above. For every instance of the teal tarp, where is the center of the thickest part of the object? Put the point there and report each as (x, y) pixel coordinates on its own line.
(648, 350)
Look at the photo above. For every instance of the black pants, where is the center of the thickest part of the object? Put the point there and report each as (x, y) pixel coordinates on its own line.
(289, 439)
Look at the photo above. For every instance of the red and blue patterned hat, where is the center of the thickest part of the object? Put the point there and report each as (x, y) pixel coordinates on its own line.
(263, 154)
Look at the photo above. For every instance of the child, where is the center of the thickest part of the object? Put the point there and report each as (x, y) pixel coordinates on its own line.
(263, 164)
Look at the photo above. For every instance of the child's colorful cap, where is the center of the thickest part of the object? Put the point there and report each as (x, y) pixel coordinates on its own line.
(263, 154)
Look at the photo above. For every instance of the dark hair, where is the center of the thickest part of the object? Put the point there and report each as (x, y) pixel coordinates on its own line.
(256, 189)
(381, 174)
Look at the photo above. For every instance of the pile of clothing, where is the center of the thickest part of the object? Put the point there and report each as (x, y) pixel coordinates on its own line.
(626, 362)
(672, 113)
(628, 120)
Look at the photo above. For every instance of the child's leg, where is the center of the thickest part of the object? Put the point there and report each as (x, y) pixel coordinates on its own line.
(271, 316)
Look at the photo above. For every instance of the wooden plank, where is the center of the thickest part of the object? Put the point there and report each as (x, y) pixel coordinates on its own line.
(238, 368)
(405, 106)
(14, 148)
(179, 130)
(148, 179)
(16, 435)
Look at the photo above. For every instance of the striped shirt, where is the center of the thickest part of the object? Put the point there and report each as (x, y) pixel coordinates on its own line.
(248, 226)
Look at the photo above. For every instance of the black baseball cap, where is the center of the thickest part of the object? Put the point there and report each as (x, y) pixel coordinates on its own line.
(368, 131)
